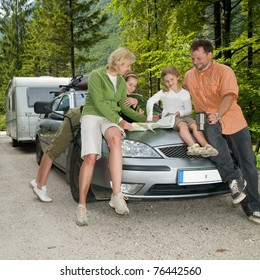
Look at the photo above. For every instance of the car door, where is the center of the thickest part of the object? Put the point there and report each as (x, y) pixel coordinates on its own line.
(56, 120)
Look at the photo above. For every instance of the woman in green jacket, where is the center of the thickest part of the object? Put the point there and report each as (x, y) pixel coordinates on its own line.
(100, 117)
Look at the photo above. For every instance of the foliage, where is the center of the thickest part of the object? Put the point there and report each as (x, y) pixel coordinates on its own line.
(60, 35)
(2, 122)
(161, 36)
(13, 19)
(102, 49)
(52, 37)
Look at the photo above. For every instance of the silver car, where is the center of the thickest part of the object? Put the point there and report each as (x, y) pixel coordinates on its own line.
(155, 164)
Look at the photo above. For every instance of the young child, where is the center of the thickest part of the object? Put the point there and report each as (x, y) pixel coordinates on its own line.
(176, 100)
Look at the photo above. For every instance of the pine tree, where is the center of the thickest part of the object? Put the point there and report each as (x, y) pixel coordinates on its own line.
(60, 33)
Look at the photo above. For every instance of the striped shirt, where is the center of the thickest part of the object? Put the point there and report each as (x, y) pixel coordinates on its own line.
(207, 89)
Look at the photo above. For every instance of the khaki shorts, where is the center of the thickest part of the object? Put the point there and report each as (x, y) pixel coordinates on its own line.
(93, 129)
(178, 120)
(64, 135)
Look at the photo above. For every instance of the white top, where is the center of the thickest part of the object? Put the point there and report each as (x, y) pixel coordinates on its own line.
(113, 79)
(172, 103)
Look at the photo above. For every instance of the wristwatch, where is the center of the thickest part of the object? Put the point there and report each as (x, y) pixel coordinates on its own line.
(218, 116)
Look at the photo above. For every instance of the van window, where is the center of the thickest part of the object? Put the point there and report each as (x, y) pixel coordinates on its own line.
(39, 94)
(80, 98)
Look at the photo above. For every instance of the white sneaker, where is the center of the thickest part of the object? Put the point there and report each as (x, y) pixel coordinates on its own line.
(118, 203)
(41, 193)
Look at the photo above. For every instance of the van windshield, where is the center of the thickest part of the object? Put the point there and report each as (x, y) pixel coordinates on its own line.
(40, 94)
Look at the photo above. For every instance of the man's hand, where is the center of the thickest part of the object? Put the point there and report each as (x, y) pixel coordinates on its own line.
(213, 118)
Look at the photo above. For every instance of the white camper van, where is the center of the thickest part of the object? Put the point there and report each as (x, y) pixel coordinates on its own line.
(21, 94)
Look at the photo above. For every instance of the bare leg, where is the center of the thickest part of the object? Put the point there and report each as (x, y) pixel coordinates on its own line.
(113, 138)
(43, 172)
(85, 177)
(185, 133)
(199, 136)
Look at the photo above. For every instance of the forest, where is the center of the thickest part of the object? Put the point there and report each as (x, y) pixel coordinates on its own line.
(72, 37)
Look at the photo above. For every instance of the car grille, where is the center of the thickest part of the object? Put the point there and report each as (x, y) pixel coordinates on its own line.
(176, 152)
(174, 189)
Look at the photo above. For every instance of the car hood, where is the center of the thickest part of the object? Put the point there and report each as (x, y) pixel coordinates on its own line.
(158, 137)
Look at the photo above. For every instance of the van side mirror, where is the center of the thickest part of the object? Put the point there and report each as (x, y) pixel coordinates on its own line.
(42, 107)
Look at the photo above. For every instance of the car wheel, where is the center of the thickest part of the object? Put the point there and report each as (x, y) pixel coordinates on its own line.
(39, 152)
(75, 164)
(14, 143)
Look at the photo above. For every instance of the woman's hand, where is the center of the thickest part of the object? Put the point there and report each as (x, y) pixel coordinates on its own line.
(131, 101)
(156, 117)
(141, 111)
(125, 125)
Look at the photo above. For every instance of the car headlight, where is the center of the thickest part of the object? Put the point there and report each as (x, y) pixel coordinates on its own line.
(138, 149)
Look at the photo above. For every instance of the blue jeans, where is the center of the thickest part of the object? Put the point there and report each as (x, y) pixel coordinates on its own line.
(236, 159)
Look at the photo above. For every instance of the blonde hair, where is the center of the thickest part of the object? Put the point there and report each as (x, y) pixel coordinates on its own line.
(119, 57)
(169, 70)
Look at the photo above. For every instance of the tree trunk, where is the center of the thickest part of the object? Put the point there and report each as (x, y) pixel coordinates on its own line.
(250, 35)
(217, 26)
(226, 19)
(72, 54)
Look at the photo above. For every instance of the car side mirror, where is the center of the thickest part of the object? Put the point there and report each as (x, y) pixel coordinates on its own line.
(42, 107)
(57, 115)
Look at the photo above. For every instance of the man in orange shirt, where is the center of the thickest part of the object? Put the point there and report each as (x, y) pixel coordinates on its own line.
(214, 90)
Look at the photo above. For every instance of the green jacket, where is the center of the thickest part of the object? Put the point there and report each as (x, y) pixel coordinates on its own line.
(103, 101)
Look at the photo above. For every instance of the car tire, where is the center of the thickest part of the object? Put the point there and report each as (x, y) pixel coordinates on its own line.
(39, 152)
(14, 143)
(75, 164)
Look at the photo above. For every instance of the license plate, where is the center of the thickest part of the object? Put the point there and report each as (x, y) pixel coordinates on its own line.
(195, 177)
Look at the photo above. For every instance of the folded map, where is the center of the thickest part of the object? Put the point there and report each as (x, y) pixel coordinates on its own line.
(165, 122)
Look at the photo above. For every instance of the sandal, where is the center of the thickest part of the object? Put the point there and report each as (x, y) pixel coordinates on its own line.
(195, 150)
(209, 151)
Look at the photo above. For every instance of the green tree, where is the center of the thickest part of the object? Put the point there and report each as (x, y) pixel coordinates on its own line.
(60, 34)
(159, 32)
(46, 48)
(157, 35)
(13, 18)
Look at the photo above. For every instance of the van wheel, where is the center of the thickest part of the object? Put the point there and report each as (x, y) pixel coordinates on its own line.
(39, 152)
(75, 164)
(15, 143)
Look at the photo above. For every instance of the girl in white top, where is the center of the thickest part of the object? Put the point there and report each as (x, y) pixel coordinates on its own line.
(176, 100)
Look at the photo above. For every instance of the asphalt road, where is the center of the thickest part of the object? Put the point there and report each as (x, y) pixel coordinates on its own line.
(192, 229)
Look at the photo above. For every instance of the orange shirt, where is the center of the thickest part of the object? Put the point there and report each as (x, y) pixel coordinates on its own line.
(207, 89)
